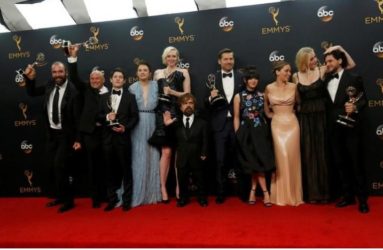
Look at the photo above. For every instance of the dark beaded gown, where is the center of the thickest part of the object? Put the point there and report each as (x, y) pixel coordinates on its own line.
(312, 121)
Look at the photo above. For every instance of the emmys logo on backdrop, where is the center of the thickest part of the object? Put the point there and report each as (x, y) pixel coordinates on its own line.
(182, 37)
(226, 24)
(275, 57)
(26, 147)
(375, 19)
(133, 79)
(379, 131)
(96, 46)
(19, 54)
(379, 83)
(183, 65)
(25, 122)
(136, 33)
(29, 188)
(378, 49)
(325, 14)
(277, 28)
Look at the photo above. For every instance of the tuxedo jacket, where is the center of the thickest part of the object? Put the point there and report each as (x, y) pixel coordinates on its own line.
(336, 108)
(127, 115)
(92, 107)
(190, 146)
(218, 115)
(70, 106)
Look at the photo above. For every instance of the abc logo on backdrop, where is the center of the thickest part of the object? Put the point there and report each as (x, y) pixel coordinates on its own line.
(325, 14)
(136, 33)
(26, 147)
(377, 49)
(275, 56)
(226, 24)
(379, 131)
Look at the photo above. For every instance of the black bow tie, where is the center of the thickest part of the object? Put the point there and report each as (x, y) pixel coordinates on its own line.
(336, 75)
(227, 74)
(116, 92)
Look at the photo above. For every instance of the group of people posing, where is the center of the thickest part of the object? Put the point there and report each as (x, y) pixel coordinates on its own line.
(290, 132)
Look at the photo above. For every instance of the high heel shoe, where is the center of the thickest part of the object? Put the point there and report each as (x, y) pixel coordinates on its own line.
(165, 201)
(251, 201)
(266, 202)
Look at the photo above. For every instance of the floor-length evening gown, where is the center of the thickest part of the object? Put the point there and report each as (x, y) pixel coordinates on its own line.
(286, 185)
(145, 158)
(312, 122)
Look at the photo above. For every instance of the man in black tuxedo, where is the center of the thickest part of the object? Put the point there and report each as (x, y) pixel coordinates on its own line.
(345, 142)
(61, 112)
(191, 148)
(121, 113)
(227, 83)
(90, 124)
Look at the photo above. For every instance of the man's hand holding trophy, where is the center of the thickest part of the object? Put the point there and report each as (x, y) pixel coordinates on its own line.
(66, 44)
(216, 99)
(350, 107)
(30, 72)
(112, 116)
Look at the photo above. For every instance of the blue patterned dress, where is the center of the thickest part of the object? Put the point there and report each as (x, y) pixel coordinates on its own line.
(145, 158)
(255, 153)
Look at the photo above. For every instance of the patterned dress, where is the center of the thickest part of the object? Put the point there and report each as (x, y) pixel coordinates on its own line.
(254, 150)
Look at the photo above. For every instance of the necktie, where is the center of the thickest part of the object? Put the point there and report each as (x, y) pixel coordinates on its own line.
(227, 74)
(116, 92)
(187, 125)
(55, 107)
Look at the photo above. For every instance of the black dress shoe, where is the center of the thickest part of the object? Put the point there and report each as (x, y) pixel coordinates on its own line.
(220, 199)
(110, 206)
(181, 202)
(203, 202)
(96, 204)
(363, 207)
(345, 202)
(126, 207)
(66, 207)
(53, 203)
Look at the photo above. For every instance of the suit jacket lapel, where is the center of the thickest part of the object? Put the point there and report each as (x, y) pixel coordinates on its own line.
(123, 101)
(219, 84)
(340, 93)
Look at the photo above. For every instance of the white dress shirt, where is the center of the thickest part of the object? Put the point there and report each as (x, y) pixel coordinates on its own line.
(191, 119)
(228, 87)
(50, 105)
(333, 85)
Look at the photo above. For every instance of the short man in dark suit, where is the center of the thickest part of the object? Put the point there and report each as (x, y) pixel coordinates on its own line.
(121, 115)
(61, 112)
(90, 124)
(227, 83)
(345, 141)
(191, 148)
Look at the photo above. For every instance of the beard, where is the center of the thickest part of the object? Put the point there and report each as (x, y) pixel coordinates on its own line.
(59, 80)
(188, 111)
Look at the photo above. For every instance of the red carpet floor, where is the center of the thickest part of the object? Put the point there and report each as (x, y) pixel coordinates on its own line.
(26, 222)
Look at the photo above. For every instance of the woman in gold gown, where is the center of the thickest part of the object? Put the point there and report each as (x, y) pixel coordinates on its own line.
(281, 97)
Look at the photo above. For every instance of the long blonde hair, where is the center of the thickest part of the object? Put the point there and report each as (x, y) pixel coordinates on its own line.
(302, 58)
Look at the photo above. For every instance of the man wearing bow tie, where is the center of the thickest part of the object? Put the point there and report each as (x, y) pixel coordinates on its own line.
(345, 142)
(228, 83)
(121, 113)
